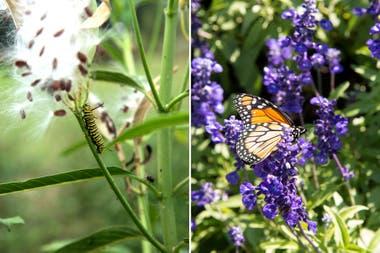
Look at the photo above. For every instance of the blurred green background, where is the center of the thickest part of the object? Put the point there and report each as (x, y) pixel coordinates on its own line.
(66, 212)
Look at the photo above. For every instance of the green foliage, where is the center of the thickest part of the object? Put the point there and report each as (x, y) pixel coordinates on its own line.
(99, 239)
(237, 31)
(58, 179)
(150, 125)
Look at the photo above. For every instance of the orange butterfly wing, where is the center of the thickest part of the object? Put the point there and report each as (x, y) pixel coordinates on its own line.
(264, 126)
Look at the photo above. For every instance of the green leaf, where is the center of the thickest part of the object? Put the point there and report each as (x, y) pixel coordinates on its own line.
(279, 244)
(9, 222)
(349, 212)
(100, 239)
(116, 77)
(341, 231)
(61, 178)
(375, 242)
(339, 92)
(231, 202)
(150, 125)
(319, 197)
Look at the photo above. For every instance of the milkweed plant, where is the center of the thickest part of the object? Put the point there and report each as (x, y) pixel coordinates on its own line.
(56, 52)
(317, 61)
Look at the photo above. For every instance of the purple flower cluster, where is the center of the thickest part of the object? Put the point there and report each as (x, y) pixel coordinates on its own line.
(196, 24)
(232, 129)
(207, 194)
(329, 128)
(206, 95)
(236, 236)
(278, 174)
(374, 11)
(247, 191)
(280, 80)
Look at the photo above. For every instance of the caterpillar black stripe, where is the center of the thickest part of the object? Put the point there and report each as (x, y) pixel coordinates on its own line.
(92, 129)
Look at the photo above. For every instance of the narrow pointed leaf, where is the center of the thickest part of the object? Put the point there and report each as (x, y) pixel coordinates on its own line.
(349, 212)
(150, 125)
(100, 239)
(57, 179)
(341, 231)
(116, 77)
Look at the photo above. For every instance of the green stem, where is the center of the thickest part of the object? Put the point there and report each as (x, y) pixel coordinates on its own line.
(156, 32)
(128, 54)
(181, 184)
(116, 190)
(146, 183)
(184, 83)
(332, 82)
(180, 245)
(315, 175)
(183, 25)
(176, 100)
(143, 56)
(315, 248)
(143, 199)
(164, 140)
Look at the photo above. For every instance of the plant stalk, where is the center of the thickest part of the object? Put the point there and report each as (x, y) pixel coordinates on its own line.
(123, 201)
(164, 140)
(156, 32)
(143, 198)
(136, 27)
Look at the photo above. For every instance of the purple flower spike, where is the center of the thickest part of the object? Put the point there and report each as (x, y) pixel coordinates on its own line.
(236, 236)
(248, 195)
(205, 195)
(206, 97)
(374, 11)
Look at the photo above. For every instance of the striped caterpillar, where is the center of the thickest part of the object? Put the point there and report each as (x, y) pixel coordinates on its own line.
(92, 129)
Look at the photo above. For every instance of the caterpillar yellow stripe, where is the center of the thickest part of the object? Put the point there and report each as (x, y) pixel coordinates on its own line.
(92, 129)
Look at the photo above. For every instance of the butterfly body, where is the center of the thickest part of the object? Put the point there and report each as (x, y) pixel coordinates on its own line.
(264, 126)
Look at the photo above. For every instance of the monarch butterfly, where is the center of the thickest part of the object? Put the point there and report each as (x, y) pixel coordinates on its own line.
(264, 125)
(92, 129)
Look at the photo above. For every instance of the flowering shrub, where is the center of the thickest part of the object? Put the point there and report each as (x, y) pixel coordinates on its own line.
(301, 57)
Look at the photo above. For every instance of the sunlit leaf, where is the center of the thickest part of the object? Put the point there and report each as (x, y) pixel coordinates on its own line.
(231, 202)
(349, 212)
(279, 244)
(342, 235)
(152, 124)
(326, 192)
(375, 242)
(339, 92)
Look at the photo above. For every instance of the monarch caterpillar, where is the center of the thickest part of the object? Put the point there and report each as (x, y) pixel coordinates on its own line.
(92, 129)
